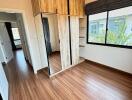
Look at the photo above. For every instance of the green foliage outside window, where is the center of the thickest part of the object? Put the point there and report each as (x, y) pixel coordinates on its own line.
(120, 38)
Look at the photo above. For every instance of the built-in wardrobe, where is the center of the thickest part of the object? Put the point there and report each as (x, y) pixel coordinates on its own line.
(65, 16)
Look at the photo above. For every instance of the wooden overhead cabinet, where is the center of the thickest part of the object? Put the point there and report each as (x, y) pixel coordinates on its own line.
(80, 8)
(62, 7)
(36, 7)
(76, 7)
(43, 6)
(48, 6)
(73, 7)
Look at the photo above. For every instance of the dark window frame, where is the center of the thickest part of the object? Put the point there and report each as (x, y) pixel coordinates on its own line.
(105, 43)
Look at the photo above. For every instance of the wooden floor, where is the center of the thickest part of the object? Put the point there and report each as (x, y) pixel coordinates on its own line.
(85, 81)
(55, 62)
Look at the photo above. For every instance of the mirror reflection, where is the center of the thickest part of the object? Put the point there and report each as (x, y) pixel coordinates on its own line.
(52, 43)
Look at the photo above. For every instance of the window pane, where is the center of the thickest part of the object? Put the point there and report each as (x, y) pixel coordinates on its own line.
(120, 27)
(97, 27)
(17, 42)
(15, 32)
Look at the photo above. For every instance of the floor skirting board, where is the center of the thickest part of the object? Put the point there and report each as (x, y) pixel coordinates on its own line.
(109, 67)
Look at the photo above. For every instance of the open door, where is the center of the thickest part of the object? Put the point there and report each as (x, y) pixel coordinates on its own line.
(3, 84)
(5, 44)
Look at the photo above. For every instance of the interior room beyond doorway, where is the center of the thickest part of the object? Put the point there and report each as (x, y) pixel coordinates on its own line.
(12, 36)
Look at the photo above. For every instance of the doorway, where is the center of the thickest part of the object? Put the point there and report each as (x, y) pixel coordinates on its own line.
(14, 60)
(13, 36)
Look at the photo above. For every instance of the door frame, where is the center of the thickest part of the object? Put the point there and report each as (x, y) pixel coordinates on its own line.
(22, 12)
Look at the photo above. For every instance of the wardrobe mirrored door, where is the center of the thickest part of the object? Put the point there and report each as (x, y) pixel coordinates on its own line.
(52, 41)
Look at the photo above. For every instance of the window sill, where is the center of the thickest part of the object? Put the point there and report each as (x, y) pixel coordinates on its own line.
(110, 45)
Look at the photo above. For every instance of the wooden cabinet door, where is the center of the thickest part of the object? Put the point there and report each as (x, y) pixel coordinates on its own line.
(73, 7)
(63, 27)
(76, 7)
(52, 6)
(41, 41)
(48, 6)
(80, 7)
(74, 30)
(35, 7)
(62, 7)
(44, 5)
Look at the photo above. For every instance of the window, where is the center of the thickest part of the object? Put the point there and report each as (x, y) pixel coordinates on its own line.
(97, 27)
(112, 28)
(15, 32)
(16, 36)
(119, 27)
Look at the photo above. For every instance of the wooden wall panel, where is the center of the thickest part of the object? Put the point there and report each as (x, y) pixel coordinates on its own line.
(63, 26)
(74, 29)
(62, 7)
(48, 6)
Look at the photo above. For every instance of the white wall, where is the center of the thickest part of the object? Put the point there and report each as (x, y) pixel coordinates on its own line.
(119, 58)
(54, 34)
(1, 55)
(25, 7)
(5, 43)
(3, 84)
